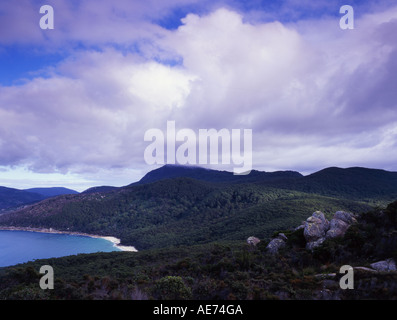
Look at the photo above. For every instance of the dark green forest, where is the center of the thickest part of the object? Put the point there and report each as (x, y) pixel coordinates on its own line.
(192, 232)
(222, 270)
(180, 211)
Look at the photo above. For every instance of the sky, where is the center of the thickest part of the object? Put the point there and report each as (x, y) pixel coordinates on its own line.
(76, 100)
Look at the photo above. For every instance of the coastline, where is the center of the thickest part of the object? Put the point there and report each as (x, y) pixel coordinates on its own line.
(115, 241)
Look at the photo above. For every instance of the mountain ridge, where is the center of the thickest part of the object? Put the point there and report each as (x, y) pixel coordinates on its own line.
(52, 191)
(353, 182)
(11, 198)
(175, 171)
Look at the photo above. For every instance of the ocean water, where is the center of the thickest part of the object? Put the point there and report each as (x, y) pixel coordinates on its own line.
(23, 246)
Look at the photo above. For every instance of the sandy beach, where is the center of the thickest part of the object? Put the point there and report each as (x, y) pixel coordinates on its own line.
(115, 241)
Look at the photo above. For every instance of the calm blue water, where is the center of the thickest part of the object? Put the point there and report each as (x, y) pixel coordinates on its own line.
(23, 246)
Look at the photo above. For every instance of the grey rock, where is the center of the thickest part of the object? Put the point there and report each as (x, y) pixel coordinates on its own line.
(321, 216)
(364, 269)
(347, 217)
(277, 243)
(315, 227)
(339, 224)
(384, 266)
(282, 236)
(337, 228)
(274, 245)
(253, 241)
(313, 244)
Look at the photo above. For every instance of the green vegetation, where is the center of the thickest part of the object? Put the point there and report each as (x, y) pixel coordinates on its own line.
(191, 236)
(180, 211)
(374, 238)
(375, 187)
(222, 270)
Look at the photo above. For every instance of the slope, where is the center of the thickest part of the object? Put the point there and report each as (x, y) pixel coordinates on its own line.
(10, 197)
(376, 187)
(224, 271)
(177, 211)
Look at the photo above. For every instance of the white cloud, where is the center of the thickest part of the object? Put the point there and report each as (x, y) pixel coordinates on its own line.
(307, 86)
(311, 92)
(94, 115)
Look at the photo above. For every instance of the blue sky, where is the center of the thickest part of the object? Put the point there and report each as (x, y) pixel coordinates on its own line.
(17, 64)
(76, 101)
(22, 59)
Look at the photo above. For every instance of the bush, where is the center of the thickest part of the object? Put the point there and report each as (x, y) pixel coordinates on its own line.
(172, 288)
(296, 238)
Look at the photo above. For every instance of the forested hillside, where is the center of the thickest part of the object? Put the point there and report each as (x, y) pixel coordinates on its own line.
(224, 270)
(377, 187)
(11, 198)
(186, 211)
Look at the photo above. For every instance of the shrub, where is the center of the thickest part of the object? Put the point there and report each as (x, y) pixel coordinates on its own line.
(172, 288)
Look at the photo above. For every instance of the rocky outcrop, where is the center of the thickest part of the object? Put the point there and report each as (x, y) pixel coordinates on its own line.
(317, 228)
(277, 243)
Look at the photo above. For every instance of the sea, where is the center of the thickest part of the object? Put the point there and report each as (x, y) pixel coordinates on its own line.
(23, 246)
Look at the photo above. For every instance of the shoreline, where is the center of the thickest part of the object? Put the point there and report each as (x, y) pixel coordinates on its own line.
(114, 240)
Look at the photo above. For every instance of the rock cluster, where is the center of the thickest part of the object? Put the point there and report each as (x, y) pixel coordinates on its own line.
(317, 228)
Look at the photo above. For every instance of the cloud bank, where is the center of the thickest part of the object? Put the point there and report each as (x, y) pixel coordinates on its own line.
(313, 94)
